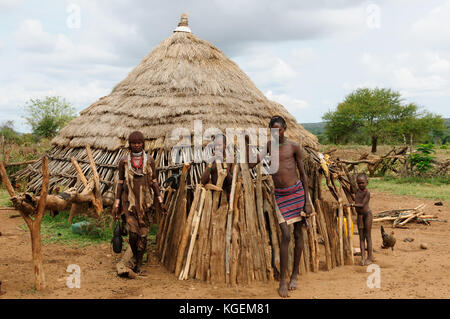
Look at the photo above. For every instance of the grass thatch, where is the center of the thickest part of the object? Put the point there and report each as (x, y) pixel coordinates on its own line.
(183, 79)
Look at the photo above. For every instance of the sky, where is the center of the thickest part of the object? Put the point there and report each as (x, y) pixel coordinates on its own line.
(306, 55)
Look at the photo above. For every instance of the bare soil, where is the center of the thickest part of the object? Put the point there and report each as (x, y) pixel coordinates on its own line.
(406, 272)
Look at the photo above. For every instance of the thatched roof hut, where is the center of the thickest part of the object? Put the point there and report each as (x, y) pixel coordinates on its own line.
(185, 79)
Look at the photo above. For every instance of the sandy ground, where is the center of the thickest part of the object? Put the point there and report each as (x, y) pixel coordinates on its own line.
(408, 272)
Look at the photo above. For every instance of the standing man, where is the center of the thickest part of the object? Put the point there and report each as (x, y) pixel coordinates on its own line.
(291, 194)
(137, 182)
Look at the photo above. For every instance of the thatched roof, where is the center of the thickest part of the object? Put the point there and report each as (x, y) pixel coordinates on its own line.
(183, 79)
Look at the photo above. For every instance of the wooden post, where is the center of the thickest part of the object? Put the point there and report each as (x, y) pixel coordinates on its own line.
(34, 224)
(195, 223)
(350, 234)
(235, 238)
(229, 224)
(187, 229)
(98, 203)
(324, 233)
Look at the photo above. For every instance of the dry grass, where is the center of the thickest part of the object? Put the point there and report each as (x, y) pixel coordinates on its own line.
(183, 79)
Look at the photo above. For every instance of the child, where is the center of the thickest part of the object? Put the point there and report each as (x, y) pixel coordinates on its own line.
(364, 218)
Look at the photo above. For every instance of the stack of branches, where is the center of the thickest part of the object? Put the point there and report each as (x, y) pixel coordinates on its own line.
(401, 217)
(382, 163)
(442, 167)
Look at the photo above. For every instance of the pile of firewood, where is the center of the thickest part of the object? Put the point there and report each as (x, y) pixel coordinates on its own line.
(401, 217)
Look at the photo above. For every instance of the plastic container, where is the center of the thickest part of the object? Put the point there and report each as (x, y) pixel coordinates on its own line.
(82, 228)
(345, 225)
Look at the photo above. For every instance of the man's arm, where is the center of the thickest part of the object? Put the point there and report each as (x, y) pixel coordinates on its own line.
(303, 177)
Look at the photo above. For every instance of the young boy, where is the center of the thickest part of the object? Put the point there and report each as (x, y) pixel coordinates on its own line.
(291, 194)
(364, 218)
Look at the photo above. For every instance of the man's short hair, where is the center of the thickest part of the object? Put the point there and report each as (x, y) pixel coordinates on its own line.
(277, 119)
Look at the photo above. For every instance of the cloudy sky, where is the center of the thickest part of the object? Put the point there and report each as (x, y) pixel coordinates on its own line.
(306, 55)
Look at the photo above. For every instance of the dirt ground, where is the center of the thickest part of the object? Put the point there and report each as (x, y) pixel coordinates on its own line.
(408, 272)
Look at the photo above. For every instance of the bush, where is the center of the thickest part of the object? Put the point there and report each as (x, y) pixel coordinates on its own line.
(422, 161)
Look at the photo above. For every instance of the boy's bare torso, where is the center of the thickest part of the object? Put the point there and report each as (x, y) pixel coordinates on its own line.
(362, 197)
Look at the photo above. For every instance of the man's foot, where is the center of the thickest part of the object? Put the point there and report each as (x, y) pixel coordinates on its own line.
(283, 290)
(293, 283)
(367, 262)
(363, 262)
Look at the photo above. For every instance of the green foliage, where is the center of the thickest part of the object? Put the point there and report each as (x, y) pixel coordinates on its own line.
(422, 161)
(7, 130)
(46, 117)
(367, 116)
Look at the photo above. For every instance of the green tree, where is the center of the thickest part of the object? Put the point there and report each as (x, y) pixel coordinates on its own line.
(413, 125)
(366, 112)
(46, 117)
(8, 132)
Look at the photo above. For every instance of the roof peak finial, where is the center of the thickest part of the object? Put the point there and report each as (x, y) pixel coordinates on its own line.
(183, 25)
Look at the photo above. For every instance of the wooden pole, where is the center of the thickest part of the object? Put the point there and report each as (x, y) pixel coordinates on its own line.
(350, 234)
(229, 223)
(195, 223)
(324, 233)
(33, 224)
(186, 232)
(98, 204)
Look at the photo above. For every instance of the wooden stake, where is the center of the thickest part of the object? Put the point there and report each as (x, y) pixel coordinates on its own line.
(98, 204)
(195, 223)
(350, 234)
(324, 233)
(187, 230)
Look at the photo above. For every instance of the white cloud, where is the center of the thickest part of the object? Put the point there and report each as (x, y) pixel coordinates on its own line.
(302, 56)
(31, 36)
(434, 27)
(291, 104)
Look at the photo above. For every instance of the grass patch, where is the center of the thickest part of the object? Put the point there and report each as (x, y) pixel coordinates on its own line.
(430, 188)
(4, 198)
(58, 230)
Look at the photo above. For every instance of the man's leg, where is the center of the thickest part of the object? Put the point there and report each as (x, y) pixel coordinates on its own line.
(284, 251)
(361, 238)
(368, 235)
(298, 249)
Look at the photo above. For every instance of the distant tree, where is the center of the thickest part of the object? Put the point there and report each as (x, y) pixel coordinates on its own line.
(8, 132)
(412, 125)
(366, 112)
(46, 117)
